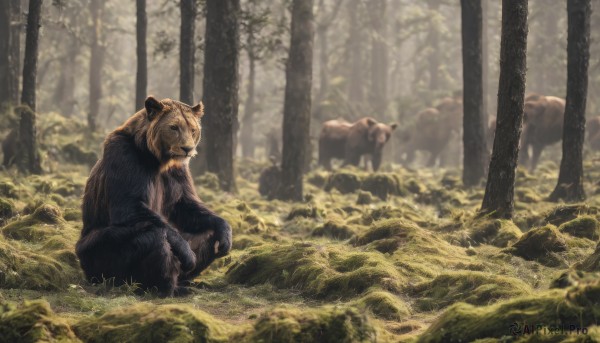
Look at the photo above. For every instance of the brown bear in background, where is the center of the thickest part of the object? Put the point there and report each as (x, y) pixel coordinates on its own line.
(543, 120)
(350, 141)
(433, 130)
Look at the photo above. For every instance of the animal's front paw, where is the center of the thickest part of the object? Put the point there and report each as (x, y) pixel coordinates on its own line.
(222, 237)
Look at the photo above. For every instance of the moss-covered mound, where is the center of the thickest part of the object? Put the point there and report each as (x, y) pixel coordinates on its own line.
(540, 244)
(153, 323)
(472, 287)
(335, 228)
(564, 213)
(77, 154)
(383, 184)
(343, 182)
(496, 232)
(579, 306)
(592, 263)
(385, 305)
(7, 210)
(34, 321)
(583, 227)
(287, 325)
(242, 218)
(305, 211)
(316, 270)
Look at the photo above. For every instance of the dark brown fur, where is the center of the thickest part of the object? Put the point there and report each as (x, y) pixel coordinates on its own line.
(142, 219)
(342, 140)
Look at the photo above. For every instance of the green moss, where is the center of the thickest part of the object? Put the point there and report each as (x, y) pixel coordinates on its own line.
(334, 227)
(73, 214)
(364, 198)
(389, 212)
(344, 182)
(383, 184)
(464, 323)
(8, 189)
(151, 323)
(592, 263)
(7, 209)
(497, 232)
(291, 325)
(317, 178)
(208, 181)
(305, 211)
(527, 195)
(583, 227)
(475, 288)
(318, 271)
(564, 213)
(34, 321)
(540, 244)
(384, 305)
(77, 154)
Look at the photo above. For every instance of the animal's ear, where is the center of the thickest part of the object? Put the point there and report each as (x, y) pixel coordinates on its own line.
(198, 110)
(153, 107)
(393, 126)
(371, 122)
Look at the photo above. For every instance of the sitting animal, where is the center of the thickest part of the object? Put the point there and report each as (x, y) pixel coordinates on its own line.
(350, 141)
(142, 219)
(543, 119)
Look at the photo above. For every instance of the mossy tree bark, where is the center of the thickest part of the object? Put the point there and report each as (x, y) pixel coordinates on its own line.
(10, 46)
(570, 179)
(141, 78)
(499, 192)
(296, 112)
(474, 142)
(187, 48)
(221, 59)
(96, 61)
(29, 159)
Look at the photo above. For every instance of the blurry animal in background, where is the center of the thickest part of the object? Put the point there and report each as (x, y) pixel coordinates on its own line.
(142, 219)
(270, 180)
(592, 128)
(340, 139)
(543, 119)
(10, 146)
(433, 131)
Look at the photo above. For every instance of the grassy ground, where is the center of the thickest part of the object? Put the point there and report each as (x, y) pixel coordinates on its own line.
(386, 257)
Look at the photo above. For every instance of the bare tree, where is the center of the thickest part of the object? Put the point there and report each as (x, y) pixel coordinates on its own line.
(141, 79)
(570, 179)
(96, 61)
(499, 192)
(379, 56)
(296, 111)
(186, 51)
(474, 142)
(356, 48)
(221, 59)
(30, 159)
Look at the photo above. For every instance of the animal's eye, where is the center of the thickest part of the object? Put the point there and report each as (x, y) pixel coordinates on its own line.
(193, 131)
(174, 127)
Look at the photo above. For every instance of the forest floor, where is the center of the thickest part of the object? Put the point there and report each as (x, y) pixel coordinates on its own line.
(377, 257)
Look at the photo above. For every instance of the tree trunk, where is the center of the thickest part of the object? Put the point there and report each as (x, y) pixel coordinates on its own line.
(30, 160)
(485, 63)
(64, 94)
(96, 62)
(5, 58)
(247, 132)
(473, 118)
(296, 111)
(186, 51)
(570, 179)
(355, 78)
(379, 58)
(499, 192)
(221, 57)
(141, 79)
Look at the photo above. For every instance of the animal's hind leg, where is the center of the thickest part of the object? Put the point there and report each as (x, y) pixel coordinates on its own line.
(204, 247)
(159, 269)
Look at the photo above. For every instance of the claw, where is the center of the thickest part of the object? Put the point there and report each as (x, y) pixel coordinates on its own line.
(216, 247)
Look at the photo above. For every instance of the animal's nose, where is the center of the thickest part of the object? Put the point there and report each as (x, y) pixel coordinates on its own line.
(187, 149)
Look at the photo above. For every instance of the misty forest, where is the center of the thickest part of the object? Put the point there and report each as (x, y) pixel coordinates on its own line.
(300, 171)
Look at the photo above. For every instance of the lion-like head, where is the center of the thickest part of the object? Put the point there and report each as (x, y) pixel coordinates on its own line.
(172, 129)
